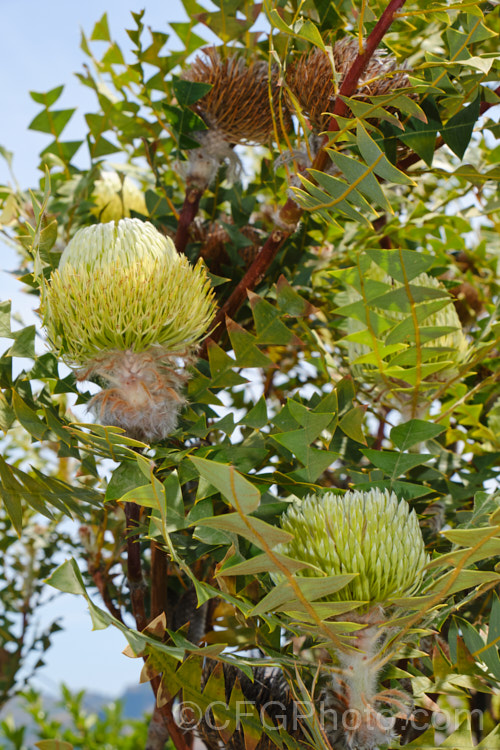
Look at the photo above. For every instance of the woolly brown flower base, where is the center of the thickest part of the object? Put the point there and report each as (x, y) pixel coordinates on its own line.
(142, 395)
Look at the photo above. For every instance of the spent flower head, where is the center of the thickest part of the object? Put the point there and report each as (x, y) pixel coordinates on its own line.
(372, 534)
(238, 104)
(243, 106)
(315, 78)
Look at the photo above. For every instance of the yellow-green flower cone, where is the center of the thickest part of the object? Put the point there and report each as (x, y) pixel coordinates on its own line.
(372, 534)
(123, 306)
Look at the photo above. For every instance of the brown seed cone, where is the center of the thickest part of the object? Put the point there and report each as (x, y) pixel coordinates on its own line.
(238, 104)
(315, 84)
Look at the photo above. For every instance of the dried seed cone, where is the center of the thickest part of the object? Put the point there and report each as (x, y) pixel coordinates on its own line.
(238, 104)
(126, 309)
(243, 106)
(115, 198)
(315, 81)
(370, 533)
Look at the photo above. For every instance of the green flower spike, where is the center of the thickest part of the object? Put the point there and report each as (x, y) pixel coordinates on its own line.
(376, 536)
(370, 533)
(125, 308)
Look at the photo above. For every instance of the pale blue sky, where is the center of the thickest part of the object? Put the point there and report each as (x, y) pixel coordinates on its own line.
(40, 49)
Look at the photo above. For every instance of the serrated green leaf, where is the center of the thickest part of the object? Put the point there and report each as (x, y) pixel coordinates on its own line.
(183, 121)
(451, 583)
(245, 347)
(338, 192)
(316, 199)
(491, 742)
(283, 596)
(24, 343)
(372, 154)
(222, 368)
(188, 92)
(405, 330)
(352, 424)
(478, 648)
(470, 537)
(302, 29)
(489, 548)
(242, 495)
(102, 147)
(28, 418)
(403, 299)
(261, 564)
(124, 479)
(51, 121)
(47, 98)
(253, 529)
(113, 55)
(5, 308)
(461, 739)
(7, 415)
(11, 493)
(395, 464)
(310, 33)
(355, 171)
(257, 416)
(328, 15)
(269, 327)
(323, 610)
(402, 265)
(458, 130)
(67, 578)
(100, 31)
(405, 435)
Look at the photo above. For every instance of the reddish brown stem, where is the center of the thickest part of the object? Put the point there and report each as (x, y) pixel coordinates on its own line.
(176, 735)
(252, 277)
(101, 581)
(186, 217)
(134, 565)
(136, 583)
(350, 82)
(159, 572)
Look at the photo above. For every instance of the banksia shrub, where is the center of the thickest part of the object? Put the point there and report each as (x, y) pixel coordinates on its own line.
(236, 110)
(125, 309)
(115, 197)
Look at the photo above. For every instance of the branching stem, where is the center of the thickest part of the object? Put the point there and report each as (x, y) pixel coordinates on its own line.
(186, 217)
(291, 213)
